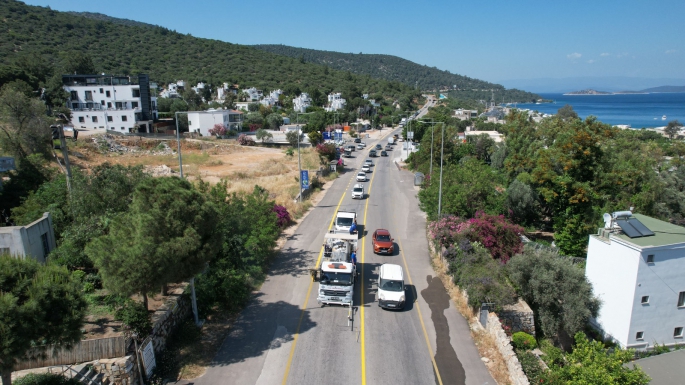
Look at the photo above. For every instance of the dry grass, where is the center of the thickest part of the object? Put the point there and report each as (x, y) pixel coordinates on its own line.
(486, 344)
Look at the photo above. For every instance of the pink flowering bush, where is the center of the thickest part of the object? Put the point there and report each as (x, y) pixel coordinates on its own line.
(245, 140)
(282, 216)
(218, 130)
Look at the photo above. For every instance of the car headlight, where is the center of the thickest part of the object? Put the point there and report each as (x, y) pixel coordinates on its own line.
(402, 299)
(321, 292)
(381, 297)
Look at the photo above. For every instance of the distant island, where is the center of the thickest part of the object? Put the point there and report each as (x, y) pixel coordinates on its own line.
(645, 91)
(588, 92)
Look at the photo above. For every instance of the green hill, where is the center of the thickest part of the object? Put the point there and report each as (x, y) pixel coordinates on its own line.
(394, 68)
(46, 39)
(116, 20)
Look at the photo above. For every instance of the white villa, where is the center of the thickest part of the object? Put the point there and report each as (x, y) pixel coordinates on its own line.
(335, 102)
(272, 99)
(202, 121)
(301, 102)
(254, 94)
(636, 265)
(110, 102)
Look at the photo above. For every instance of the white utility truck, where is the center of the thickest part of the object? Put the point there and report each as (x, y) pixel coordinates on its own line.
(337, 272)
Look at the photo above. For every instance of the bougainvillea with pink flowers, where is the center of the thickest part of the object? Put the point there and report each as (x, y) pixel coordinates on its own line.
(282, 216)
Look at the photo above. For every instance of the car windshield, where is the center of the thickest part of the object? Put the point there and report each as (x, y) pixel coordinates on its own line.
(390, 285)
(383, 238)
(361, 174)
(344, 221)
(358, 189)
(342, 279)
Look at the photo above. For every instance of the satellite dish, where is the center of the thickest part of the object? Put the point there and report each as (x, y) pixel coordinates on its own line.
(607, 220)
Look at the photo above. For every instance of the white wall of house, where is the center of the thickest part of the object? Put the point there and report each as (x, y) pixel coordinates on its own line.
(35, 240)
(612, 271)
(202, 121)
(621, 277)
(301, 102)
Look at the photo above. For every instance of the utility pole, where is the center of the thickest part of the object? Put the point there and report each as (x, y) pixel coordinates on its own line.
(65, 154)
(442, 148)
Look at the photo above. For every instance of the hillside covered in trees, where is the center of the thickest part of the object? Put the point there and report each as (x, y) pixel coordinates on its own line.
(40, 40)
(395, 68)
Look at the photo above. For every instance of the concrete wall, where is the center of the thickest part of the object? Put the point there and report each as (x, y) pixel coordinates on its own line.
(612, 270)
(34, 240)
(662, 281)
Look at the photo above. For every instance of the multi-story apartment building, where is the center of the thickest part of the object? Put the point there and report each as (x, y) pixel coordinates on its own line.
(636, 265)
(121, 103)
(335, 102)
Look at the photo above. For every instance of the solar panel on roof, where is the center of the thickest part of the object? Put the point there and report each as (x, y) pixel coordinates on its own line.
(628, 229)
(634, 228)
(639, 226)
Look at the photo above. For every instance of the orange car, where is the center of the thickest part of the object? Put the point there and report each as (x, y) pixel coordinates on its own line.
(383, 242)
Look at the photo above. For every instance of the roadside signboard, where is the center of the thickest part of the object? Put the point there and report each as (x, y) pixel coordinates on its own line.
(304, 179)
(410, 135)
(6, 164)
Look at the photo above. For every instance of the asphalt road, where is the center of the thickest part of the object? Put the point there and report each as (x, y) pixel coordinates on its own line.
(284, 336)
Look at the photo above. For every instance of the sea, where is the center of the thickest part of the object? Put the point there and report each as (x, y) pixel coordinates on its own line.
(636, 110)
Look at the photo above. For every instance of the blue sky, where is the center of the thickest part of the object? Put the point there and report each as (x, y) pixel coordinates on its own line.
(495, 42)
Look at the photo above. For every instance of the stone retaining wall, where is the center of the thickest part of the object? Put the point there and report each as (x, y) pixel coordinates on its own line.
(119, 371)
(518, 318)
(494, 328)
(175, 310)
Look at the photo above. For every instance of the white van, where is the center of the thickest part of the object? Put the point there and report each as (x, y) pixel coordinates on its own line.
(391, 287)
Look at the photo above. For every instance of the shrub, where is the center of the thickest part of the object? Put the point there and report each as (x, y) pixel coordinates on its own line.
(245, 140)
(326, 151)
(45, 379)
(283, 216)
(530, 365)
(218, 130)
(497, 234)
(523, 341)
(290, 152)
(135, 316)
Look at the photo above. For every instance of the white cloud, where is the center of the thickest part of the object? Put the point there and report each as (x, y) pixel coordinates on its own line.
(620, 55)
(670, 51)
(605, 54)
(574, 56)
(591, 61)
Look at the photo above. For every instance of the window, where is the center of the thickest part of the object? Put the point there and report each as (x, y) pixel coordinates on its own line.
(110, 119)
(645, 299)
(46, 244)
(122, 128)
(681, 299)
(89, 95)
(650, 258)
(74, 95)
(119, 105)
(134, 104)
(102, 102)
(124, 118)
(108, 94)
(109, 104)
(678, 332)
(74, 106)
(95, 119)
(102, 90)
(639, 335)
(81, 119)
(136, 92)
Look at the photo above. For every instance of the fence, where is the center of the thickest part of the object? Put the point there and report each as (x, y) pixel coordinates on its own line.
(84, 351)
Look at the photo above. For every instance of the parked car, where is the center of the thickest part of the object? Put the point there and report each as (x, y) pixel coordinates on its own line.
(366, 168)
(382, 242)
(368, 162)
(361, 176)
(384, 153)
(358, 191)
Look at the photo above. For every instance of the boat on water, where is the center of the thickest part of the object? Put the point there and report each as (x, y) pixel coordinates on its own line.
(663, 117)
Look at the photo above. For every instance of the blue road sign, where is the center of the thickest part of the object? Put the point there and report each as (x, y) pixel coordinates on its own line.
(304, 179)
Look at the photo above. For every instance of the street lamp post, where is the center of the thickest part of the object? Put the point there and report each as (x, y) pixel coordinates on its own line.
(193, 298)
(432, 137)
(442, 148)
(299, 161)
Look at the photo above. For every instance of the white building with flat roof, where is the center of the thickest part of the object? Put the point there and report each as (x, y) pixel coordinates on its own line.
(636, 265)
(254, 94)
(35, 240)
(335, 102)
(301, 102)
(202, 121)
(117, 103)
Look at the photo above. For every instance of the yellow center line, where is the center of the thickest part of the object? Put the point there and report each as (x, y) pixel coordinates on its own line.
(309, 290)
(361, 286)
(423, 326)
